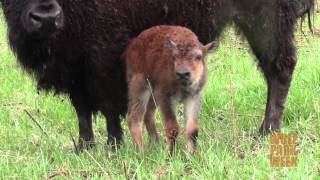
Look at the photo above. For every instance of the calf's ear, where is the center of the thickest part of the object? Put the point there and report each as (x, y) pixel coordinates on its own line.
(170, 44)
(212, 46)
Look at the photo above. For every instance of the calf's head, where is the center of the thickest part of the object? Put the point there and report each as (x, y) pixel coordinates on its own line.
(189, 61)
(42, 17)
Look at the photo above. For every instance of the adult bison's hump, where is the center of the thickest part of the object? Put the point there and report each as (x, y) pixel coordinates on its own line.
(206, 17)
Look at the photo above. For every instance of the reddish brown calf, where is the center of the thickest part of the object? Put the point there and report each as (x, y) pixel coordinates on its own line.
(165, 66)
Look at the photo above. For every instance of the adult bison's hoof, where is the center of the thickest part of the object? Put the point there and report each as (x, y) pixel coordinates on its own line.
(86, 144)
(269, 126)
(114, 142)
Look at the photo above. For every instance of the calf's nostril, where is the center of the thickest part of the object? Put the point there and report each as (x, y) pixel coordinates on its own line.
(183, 75)
(187, 74)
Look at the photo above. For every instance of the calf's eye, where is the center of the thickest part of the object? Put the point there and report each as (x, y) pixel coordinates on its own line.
(198, 58)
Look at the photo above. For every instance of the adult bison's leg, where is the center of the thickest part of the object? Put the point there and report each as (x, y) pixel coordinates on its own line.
(114, 126)
(278, 86)
(84, 113)
(270, 35)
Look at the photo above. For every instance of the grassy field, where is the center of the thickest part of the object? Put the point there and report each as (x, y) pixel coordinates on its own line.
(226, 149)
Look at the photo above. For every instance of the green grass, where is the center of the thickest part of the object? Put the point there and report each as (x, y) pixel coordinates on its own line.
(27, 153)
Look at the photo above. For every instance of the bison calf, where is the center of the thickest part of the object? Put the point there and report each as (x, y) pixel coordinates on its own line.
(165, 65)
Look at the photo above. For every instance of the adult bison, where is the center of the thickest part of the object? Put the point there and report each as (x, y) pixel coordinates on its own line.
(74, 46)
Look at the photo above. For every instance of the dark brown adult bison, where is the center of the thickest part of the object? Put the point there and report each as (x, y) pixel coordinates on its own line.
(74, 46)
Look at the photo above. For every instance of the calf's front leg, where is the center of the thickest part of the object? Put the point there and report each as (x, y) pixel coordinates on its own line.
(191, 114)
(171, 126)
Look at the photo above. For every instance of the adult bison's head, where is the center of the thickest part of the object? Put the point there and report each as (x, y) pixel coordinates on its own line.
(36, 17)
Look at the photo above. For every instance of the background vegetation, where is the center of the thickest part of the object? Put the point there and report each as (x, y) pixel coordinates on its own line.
(227, 144)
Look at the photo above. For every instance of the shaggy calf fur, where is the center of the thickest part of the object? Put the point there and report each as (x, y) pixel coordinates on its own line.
(165, 66)
(78, 51)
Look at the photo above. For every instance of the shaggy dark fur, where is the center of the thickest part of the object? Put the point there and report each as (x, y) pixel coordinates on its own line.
(82, 60)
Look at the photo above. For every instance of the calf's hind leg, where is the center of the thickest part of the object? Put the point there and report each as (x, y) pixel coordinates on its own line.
(150, 121)
(139, 95)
